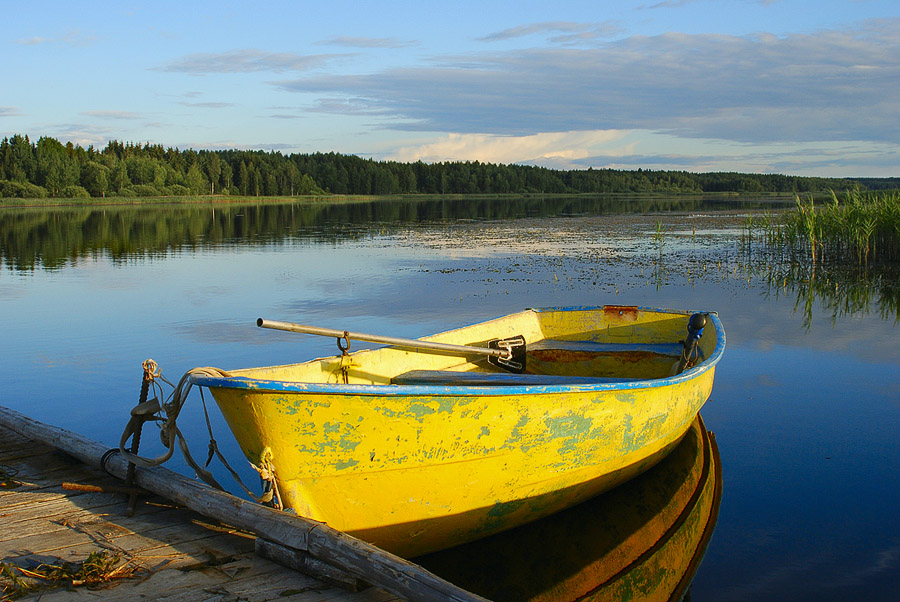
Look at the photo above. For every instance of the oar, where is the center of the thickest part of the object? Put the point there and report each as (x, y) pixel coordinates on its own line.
(508, 354)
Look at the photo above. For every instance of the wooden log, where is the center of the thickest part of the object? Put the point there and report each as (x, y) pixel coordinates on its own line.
(357, 558)
(307, 564)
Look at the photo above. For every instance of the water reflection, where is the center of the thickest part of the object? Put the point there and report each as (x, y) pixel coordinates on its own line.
(642, 541)
(809, 415)
(49, 238)
(843, 290)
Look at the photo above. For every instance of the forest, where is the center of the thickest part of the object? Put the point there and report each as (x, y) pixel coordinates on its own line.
(49, 168)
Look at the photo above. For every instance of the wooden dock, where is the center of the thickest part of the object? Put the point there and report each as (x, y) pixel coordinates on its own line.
(166, 552)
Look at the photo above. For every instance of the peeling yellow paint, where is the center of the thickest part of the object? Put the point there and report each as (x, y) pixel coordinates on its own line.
(416, 468)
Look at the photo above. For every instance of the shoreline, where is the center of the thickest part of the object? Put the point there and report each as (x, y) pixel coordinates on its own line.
(120, 201)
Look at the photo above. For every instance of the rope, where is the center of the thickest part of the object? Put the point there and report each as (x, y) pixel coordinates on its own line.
(105, 458)
(166, 415)
(268, 476)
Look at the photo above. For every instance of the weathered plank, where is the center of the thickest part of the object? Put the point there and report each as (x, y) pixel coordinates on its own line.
(355, 557)
(180, 536)
(237, 580)
(48, 468)
(183, 555)
(29, 494)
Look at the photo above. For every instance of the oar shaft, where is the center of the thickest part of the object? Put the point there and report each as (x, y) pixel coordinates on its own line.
(386, 340)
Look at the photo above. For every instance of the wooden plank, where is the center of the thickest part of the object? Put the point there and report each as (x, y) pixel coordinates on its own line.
(47, 469)
(20, 448)
(38, 477)
(169, 532)
(70, 502)
(246, 578)
(671, 349)
(38, 527)
(356, 557)
(174, 584)
(13, 440)
(29, 496)
(262, 587)
(495, 379)
(185, 556)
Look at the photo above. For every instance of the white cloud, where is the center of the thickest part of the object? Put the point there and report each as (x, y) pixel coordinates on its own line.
(80, 134)
(124, 115)
(207, 105)
(247, 61)
(543, 148)
(32, 41)
(562, 32)
(360, 42)
(72, 38)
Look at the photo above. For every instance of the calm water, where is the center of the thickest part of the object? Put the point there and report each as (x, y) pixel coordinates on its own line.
(806, 406)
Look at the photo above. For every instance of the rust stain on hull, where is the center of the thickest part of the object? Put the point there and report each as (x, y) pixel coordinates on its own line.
(622, 312)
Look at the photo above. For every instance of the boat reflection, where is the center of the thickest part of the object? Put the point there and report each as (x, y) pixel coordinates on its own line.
(641, 541)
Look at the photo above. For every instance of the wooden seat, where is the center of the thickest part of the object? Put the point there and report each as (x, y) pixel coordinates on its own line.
(494, 379)
(673, 349)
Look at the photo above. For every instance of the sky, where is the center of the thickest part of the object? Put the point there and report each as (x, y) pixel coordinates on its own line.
(800, 87)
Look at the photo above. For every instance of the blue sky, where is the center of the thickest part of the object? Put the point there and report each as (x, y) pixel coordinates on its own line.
(807, 87)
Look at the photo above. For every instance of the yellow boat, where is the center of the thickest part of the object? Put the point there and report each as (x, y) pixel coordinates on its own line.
(438, 442)
(644, 540)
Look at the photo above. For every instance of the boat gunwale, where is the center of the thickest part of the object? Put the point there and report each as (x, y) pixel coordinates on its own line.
(394, 390)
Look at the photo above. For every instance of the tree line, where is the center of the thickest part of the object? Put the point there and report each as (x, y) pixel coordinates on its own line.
(49, 168)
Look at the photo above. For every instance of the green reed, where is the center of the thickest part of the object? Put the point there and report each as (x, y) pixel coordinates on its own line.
(842, 255)
(862, 227)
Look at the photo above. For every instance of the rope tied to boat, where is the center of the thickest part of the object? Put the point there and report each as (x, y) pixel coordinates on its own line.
(151, 368)
(266, 470)
(165, 415)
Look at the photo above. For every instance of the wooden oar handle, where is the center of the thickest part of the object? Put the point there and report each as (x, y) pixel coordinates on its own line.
(372, 338)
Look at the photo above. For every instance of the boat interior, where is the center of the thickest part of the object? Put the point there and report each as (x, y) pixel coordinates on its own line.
(611, 344)
(558, 362)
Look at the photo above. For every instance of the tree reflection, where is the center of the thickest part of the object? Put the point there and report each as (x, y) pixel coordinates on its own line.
(49, 238)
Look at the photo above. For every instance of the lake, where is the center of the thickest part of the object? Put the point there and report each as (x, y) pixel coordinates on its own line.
(805, 408)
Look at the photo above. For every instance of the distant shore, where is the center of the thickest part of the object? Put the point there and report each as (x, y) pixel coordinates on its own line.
(315, 199)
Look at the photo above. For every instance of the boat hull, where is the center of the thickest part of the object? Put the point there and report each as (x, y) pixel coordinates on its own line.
(648, 536)
(418, 468)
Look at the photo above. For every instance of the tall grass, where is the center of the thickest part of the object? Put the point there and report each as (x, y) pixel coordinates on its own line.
(842, 254)
(862, 227)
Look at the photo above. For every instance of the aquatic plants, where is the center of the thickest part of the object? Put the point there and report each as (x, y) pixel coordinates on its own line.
(842, 290)
(860, 227)
(844, 254)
